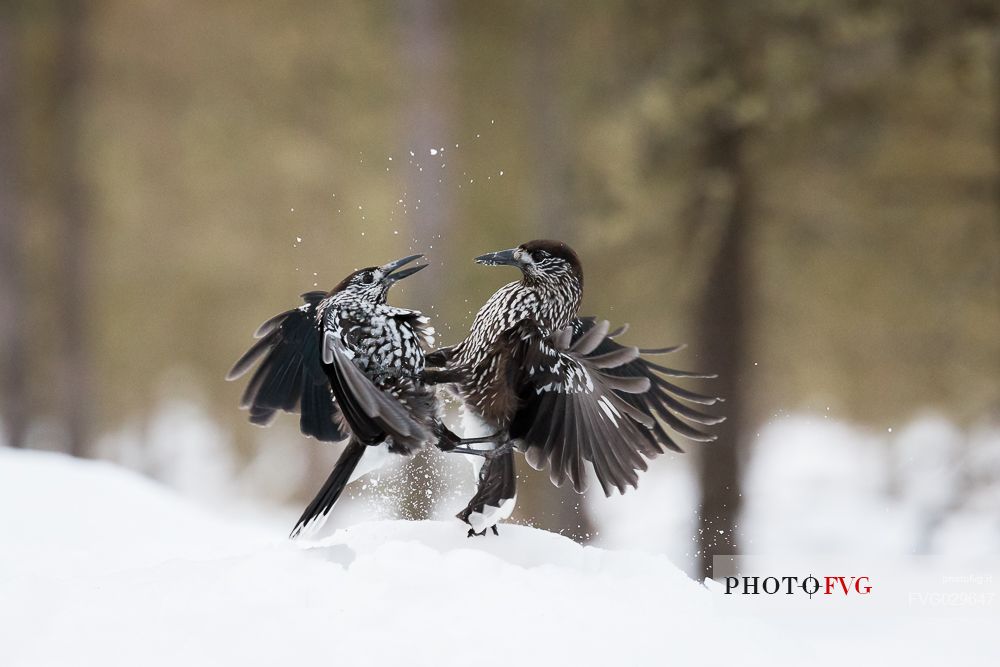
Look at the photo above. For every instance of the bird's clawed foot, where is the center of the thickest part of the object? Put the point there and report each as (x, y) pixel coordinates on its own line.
(487, 454)
(448, 441)
(496, 437)
(473, 533)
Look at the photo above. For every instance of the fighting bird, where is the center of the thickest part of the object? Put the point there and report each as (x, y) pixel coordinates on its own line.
(351, 366)
(558, 387)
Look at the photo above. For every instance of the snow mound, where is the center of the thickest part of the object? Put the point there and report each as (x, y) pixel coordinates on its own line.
(102, 567)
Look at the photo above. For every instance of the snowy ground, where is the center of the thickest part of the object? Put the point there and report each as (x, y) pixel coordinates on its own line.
(819, 486)
(814, 485)
(100, 566)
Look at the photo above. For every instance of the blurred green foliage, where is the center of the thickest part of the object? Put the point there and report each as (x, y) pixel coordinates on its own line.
(217, 134)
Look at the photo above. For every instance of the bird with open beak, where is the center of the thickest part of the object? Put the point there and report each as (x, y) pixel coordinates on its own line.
(351, 366)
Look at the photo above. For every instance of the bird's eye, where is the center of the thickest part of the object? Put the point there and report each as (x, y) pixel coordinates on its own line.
(368, 278)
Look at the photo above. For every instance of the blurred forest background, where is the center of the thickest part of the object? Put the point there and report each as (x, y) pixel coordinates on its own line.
(806, 192)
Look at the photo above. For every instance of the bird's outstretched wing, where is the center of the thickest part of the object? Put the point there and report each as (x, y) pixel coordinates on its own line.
(290, 376)
(584, 397)
(371, 413)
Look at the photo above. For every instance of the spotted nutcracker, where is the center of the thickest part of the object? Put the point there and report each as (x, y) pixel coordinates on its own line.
(558, 387)
(350, 365)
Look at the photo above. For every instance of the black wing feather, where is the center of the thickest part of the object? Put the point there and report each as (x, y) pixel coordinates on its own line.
(585, 397)
(290, 374)
(317, 510)
(371, 413)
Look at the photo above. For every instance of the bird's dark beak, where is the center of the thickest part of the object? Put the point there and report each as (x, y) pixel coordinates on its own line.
(391, 275)
(499, 258)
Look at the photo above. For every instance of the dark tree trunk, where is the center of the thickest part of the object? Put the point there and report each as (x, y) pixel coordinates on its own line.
(722, 340)
(733, 32)
(13, 300)
(74, 281)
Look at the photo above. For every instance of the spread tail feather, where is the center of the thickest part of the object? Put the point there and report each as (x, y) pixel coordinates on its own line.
(315, 514)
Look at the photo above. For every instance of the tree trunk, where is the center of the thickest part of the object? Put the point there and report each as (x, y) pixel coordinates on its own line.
(425, 54)
(722, 340)
(548, 123)
(13, 300)
(74, 281)
(540, 503)
(996, 119)
(733, 32)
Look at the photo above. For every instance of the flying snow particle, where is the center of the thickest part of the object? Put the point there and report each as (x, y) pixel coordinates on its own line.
(298, 239)
(434, 151)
